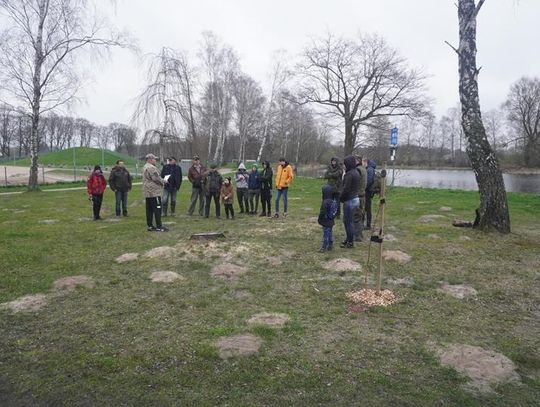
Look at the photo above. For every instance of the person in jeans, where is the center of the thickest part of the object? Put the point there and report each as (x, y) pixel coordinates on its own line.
(254, 190)
(195, 176)
(265, 177)
(334, 175)
(152, 188)
(173, 184)
(212, 187)
(120, 182)
(241, 179)
(284, 177)
(327, 215)
(349, 197)
(95, 186)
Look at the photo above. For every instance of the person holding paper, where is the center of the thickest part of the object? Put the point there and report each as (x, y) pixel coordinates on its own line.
(171, 173)
(152, 189)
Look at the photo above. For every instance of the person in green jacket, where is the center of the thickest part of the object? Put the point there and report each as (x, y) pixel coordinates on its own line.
(334, 175)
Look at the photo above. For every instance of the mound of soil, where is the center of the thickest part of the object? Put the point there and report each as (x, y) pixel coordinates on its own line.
(227, 271)
(49, 221)
(342, 264)
(459, 291)
(430, 218)
(28, 303)
(165, 277)
(126, 257)
(238, 345)
(445, 209)
(272, 320)
(160, 252)
(396, 255)
(434, 236)
(390, 238)
(464, 238)
(70, 283)
(484, 367)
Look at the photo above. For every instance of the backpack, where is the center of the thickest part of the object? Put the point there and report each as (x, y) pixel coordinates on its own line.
(377, 183)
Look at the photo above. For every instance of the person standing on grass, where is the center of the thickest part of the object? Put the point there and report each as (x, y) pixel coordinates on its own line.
(242, 178)
(254, 190)
(227, 197)
(349, 197)
(370, 167)
(173, 184)
(334, 175)
(359, 213)
(120, 182)
(327, 214)
(95, 186)
(212, 187)
(265, 177)
(195, 176)
(152, 188)
(284, 177)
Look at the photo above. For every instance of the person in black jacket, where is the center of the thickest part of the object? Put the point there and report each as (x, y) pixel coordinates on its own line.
(212, 183)
(265, 177)
(349, 197)
(173, 185)
(327, 215)
(120, 182)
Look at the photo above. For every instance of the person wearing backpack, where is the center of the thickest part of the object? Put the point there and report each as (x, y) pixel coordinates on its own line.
(327, 214)
(212, 188)
(372, 187)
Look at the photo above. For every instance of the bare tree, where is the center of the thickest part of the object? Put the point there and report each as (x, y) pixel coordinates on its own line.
(359, 81)
(493, 211)
(523, 108)
(7, 127)
(38, 55)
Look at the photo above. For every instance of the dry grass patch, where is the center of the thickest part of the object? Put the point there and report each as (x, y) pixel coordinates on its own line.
(227, 271)
(127, 257)
(28, 303)
(484, 367)
(342, 264)
(445, 209)
(238, 345)
(430, 218)
(165, 277)
(70, 283)
(396, 255)
(272, 320)
(459, 291)
(160, 252)
(48, 221)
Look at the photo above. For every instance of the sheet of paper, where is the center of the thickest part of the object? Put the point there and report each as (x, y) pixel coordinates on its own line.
(166, 177)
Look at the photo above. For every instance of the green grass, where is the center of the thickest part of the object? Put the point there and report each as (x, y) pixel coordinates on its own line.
(84, 157)
(129, 341)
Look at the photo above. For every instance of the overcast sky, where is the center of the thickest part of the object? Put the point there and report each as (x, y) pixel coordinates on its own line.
(508, 37)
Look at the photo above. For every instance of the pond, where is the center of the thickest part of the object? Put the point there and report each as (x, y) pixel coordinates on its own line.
(447, 179)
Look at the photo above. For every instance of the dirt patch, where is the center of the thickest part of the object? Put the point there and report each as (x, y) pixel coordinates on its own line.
(272, 320)
(71, 283)
(227, 271)
(430, 218)
(390, 238)
(238, 345)
(434, 236)
(484, 367)
(242, 295)
(165, 277)
(445, 209)
(28, 303)
(342, 264)
(279, 260)
(459, 291)
(396, 255)
(112, 220)
(83, 219)
(464, 238)
(126, 257)
(404, 282)
(48, 221)
(160, 252)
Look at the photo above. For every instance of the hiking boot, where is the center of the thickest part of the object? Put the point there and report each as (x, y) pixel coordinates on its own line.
(150, 229)
(347, 245)
(284, 214)
(162, 229)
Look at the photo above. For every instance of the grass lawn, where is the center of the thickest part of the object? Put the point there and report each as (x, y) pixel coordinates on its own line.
(131, 341)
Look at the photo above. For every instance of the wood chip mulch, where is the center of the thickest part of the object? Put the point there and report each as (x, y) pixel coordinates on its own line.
(369, 297)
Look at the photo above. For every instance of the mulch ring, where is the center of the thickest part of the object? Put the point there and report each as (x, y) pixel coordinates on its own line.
(165, 277)
(71, 283)
(485, 368)
(227, 271)
(272, 320)
(342, 264)
(369, 297)
(238, 345)
(28, 303)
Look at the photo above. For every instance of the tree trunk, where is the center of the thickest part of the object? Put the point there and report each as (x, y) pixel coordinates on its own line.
(350, 139)
(493, 210)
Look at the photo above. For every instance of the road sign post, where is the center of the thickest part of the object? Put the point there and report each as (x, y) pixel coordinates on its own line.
(393, 147)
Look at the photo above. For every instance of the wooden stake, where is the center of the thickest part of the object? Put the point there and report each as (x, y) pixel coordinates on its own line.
(381, 230)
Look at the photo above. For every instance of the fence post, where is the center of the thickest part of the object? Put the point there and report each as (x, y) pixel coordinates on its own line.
(5, 175)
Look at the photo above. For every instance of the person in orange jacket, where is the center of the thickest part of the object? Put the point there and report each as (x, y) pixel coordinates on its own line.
(95, 186)
(284, 177)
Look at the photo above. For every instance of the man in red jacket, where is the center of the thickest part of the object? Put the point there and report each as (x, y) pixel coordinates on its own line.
(95, 186)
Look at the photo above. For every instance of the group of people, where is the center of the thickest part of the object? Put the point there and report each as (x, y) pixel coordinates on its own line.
(160, 189)
(351, 184)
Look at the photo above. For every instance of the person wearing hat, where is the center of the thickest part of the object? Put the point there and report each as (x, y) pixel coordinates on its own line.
(152, 187)
(212, 187)
(95, 186)
(284, 177)
(254, 190)
(242, 178)
(195, 176)
(173, 184)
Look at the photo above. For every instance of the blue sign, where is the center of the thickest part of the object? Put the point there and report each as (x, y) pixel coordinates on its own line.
(393, 137)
